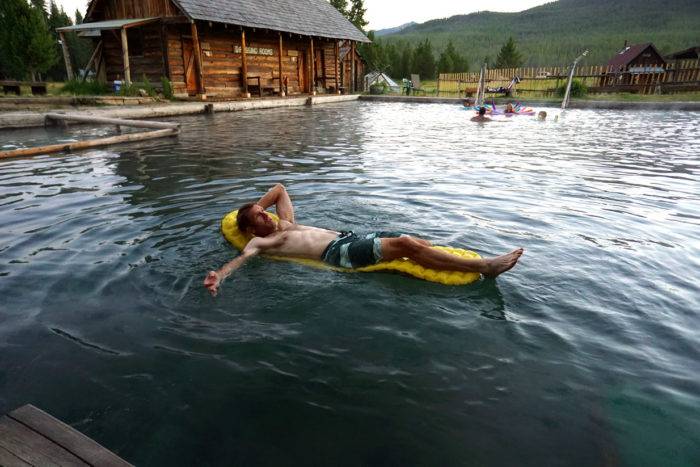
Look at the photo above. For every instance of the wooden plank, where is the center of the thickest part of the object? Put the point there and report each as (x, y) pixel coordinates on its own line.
(68, 438)
(281, 81)
(7, 459)
(32, 447)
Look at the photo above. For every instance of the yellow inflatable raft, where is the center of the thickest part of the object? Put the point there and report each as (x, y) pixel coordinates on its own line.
(229, 228)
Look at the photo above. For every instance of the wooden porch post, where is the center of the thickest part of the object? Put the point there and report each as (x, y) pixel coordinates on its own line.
(125, 57)
(335, 56)
(198, 61)
(66, 56)
(353, 77)
(244, 65)
(313, 70)
(282, 93)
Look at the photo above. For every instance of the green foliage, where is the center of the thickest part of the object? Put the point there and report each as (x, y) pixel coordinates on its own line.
(508, 56)
(356, 15)
(452, 62)
(378, 88)
(424, 60)
(147, 86)
(555, 33)
(77, 87)
(578, 89)
(167, 88)
(341, 6)
(26, 47)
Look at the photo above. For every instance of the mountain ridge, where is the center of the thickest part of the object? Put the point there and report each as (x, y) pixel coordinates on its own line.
(556, 32)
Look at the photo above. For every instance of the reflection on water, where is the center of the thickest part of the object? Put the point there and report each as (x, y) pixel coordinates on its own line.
(586, 353)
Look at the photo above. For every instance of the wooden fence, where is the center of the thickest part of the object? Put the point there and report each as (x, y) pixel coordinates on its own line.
(673, 77)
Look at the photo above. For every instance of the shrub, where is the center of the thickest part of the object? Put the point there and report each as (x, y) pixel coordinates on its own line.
(378, 88)
(78, 87)
(167, 88)
(578, 89)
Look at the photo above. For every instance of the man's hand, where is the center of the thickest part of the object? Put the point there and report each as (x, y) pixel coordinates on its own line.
(212, 282)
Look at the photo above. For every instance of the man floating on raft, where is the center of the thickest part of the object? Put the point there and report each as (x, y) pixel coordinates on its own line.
(284, 237)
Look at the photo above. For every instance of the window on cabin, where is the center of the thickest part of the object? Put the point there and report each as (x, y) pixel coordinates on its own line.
(134, 37)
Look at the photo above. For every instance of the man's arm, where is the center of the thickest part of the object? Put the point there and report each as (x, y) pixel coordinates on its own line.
(253, 248)
(278, 196)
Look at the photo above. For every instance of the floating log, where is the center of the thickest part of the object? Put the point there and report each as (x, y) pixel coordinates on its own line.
(112, 121)
(93, 143)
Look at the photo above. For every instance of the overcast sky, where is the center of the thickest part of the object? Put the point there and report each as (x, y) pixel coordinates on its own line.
(389, 13)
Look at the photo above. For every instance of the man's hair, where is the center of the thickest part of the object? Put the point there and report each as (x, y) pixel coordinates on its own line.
(242, 217)
(482, 110)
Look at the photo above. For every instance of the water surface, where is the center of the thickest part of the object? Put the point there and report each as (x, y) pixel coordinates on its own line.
(585, 354)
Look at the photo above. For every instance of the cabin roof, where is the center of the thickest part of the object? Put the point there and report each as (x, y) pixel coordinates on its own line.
(306, 17)
(689, 53)
(629, 53)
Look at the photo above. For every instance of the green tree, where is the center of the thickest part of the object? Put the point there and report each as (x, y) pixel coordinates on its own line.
(451, 61)
(424, 60)
(509, 57)
(341, 6)
(41, 6)
(405, 61)
(356, 14)
(26, 47)
(58, 19)
(40, 53)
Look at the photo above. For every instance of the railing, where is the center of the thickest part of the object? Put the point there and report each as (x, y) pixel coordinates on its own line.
(676, 76)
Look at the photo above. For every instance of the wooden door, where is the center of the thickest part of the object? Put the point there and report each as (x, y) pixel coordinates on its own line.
(188, 60)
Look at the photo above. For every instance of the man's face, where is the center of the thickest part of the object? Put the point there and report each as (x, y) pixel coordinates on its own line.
(261, 222)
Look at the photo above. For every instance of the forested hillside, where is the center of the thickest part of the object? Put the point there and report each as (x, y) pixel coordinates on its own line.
(554, 33)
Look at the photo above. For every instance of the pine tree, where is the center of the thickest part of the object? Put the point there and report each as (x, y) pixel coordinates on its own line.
(58, 19)
(451, 61)
(357, 14)
(424, 60)
(78, 17)
(509, 57)
(341, 6)
(11, 63)
(26, 47)
(41, 6)
(39, 52)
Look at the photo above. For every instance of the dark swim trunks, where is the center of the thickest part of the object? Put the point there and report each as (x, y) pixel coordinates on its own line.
(350, 250)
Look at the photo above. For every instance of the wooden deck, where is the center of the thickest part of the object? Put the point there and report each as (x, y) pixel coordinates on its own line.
(31, 437)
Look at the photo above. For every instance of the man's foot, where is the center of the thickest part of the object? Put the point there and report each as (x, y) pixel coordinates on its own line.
(211, 282)
(501, 264)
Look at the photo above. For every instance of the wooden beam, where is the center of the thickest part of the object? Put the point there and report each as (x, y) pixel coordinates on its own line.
(92, 59)
(244, 63)
(125, 57)
(335, 54)
(281, 51)
(353, 77)
(54, 148)
(66, 56)
(197, 60)
(312, 91)
(112, 121)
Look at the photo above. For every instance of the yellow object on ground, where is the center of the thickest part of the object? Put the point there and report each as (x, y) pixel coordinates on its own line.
(229, 227)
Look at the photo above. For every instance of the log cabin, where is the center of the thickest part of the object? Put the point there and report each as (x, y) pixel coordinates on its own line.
(224, 48)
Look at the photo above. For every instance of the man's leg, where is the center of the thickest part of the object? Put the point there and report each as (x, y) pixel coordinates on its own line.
(417, 250)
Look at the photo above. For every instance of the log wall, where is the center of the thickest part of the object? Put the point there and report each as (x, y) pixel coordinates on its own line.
(222, 59)
(149, 63)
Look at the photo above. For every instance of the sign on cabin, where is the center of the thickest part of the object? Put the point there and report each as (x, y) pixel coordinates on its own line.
(254, 50)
